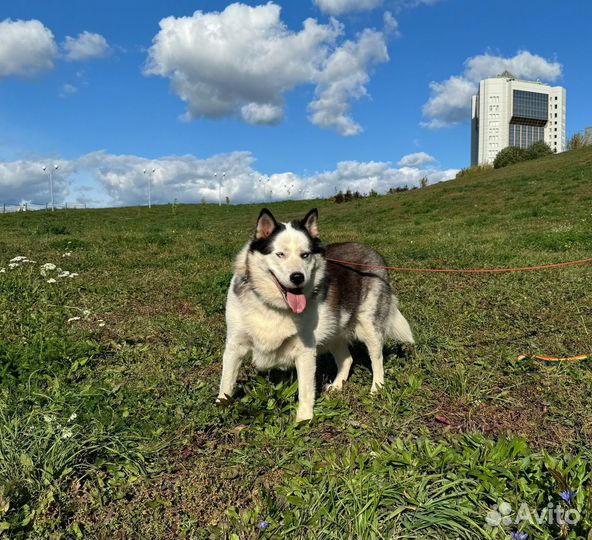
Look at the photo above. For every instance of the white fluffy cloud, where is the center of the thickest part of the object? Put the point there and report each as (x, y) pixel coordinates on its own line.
(27, 48)
(450, 100)
(391, 25)
(379, 176)
(338, 7)
(189, 179)
(243, 60)
(85, 47)
(121, 180)
(262, 113)
(185, 178)
(343, 79)
(415, 160)
(25, 180)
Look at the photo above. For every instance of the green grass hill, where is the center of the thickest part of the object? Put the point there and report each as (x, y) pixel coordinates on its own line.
(108, 374)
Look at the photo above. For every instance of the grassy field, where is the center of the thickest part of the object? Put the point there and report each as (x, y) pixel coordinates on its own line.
(108, 427)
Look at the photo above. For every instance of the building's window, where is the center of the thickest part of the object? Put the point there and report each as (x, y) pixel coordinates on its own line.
(555, 115)
(525, 135)
(532, 106)
(555, 105)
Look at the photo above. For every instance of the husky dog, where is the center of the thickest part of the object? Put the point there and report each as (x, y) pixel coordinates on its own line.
(286, 302)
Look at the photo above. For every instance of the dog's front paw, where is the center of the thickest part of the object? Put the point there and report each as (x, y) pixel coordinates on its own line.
(223, 399)
(335, 386)
(302, 416)
(376, 388)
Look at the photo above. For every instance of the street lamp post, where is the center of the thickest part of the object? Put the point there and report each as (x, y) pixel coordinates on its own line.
(50, 174)
(150, 173)
(220, 182)
(265, 181)
(262, 183)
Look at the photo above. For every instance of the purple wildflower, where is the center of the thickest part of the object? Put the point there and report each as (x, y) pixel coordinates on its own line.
(568, 496)
(263, 524)
(519, 536)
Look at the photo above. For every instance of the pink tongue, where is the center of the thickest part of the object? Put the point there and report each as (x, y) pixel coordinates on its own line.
(296, 301)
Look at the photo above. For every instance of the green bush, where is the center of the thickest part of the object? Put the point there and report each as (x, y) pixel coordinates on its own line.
(514, 154)
(509, 156)
(538, 149)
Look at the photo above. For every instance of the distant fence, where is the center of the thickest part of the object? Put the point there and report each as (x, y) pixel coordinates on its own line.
(30, 207)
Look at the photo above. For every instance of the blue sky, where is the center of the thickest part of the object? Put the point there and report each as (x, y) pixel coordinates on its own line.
(382, 78)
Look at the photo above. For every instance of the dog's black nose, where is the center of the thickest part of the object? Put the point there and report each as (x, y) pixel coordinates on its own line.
(297, 278)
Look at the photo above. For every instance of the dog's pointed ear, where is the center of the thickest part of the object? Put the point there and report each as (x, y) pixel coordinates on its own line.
(310, 222)
(266, 224)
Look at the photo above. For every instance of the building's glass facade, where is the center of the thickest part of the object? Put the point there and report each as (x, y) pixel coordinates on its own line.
(530, 107)
(530, 112)
(525, 136)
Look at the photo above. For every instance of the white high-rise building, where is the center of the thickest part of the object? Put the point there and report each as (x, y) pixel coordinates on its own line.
(511, 112)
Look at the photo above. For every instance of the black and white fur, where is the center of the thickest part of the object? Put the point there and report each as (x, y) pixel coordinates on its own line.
(343, 304)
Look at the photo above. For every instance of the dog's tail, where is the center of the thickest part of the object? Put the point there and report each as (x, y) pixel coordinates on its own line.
(399, 328)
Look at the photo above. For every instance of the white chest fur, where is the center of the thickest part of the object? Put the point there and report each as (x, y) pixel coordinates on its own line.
(276, 337)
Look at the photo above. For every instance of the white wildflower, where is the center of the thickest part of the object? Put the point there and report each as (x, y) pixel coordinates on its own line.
(18, 258)
(72, 275)
(72, 319)
(2, 270)
(73, 416)
(64, 273)
(67, 254)
(13, 265)
(48, 419)
(86, 313)
(67, 433)
(101, 323)
(47, 267)
(51, 280)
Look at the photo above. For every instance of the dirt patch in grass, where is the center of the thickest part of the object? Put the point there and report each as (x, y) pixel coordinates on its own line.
(526, 416)
(187, 309)
(192, 497)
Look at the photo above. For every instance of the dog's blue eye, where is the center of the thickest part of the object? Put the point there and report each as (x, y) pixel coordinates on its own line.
(280, 254)
(305, 255)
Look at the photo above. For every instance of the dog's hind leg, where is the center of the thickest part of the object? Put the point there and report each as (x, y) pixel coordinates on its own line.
(233, 354)
(343, 359)
(372, 338)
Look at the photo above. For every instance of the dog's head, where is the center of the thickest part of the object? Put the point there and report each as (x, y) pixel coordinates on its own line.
(286, 260)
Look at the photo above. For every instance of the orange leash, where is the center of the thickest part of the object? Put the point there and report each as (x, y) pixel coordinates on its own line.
(460, 270)
(554, 358)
